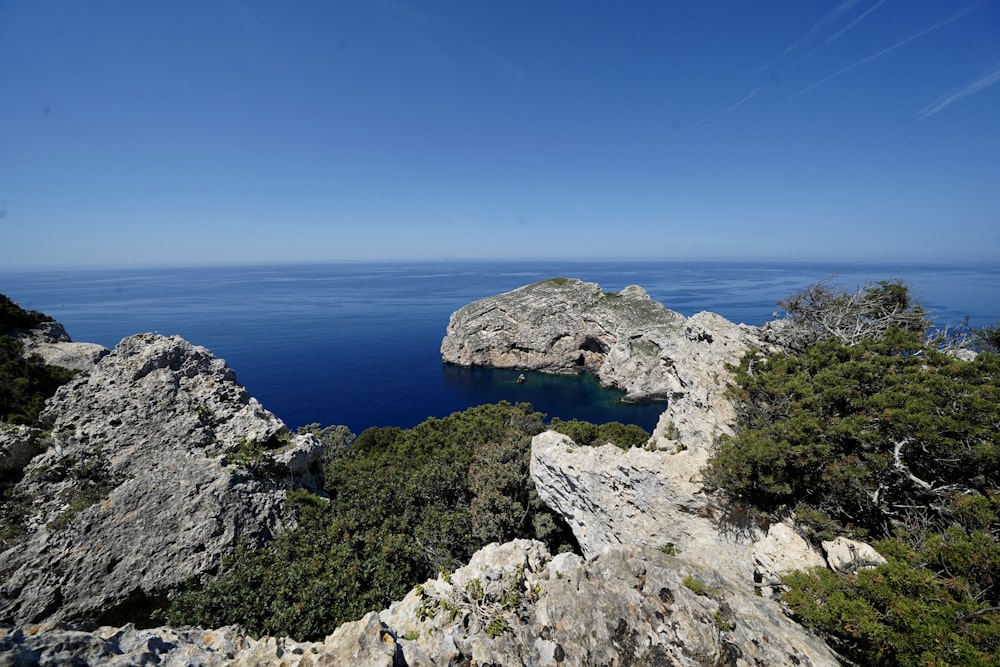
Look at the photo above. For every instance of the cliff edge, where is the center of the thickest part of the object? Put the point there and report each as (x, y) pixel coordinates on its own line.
(158, 462)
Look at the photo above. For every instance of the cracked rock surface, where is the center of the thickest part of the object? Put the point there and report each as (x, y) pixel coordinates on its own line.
(158, 463)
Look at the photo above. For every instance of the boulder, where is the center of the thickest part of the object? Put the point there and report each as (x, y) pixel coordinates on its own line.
(848, 556)
(609, 496)
(159, 463)
(781, 551)
(18, 445)
(358, 644)
(513, 605)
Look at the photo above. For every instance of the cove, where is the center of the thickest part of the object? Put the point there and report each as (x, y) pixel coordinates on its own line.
(564, 396)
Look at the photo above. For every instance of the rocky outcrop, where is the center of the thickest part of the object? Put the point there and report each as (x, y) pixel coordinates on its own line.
(514, 605)
(364, 643)
(159, 462)
(50, 341)
(627, 340)
(849, 556)
(609, 496)
(18, 445)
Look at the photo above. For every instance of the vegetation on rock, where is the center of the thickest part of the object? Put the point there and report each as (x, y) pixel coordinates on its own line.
(585, 433)
(25, 381)
(870, 430)
(403, 505)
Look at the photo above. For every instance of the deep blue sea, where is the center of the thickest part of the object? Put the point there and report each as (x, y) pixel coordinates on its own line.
(358, 343)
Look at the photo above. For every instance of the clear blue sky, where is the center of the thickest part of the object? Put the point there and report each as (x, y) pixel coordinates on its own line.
(142, 132)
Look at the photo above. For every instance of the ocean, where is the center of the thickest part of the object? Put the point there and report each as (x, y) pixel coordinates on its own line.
(358, 343)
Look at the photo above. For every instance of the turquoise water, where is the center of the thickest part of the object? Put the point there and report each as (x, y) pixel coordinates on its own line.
(358, 343)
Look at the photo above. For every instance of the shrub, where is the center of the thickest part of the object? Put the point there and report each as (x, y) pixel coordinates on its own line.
(587, 434)
(879, 434)
(25, 381)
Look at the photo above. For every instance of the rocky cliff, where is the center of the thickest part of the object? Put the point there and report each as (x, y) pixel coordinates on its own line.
(513, 605)
(158, 462)
(563, 325)
(50, 341)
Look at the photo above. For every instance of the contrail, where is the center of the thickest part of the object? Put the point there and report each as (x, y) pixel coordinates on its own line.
(722, 112)
(884, 51)
(745, 99)
(973, 87)
(850, 25)
(832, 16)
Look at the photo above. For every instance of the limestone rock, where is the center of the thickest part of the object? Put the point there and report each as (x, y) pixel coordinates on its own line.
(359, 644)
(609, 496)
(568, 326)
(18, 445)
(160, 463)
(514, 606)
(780, 552)
(848, 556)
(50, 341)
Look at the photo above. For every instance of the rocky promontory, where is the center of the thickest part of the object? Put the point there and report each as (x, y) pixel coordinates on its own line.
(567, 326)
(155, 464)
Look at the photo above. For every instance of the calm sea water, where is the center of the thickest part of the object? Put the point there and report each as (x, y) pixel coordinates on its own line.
(358, 344)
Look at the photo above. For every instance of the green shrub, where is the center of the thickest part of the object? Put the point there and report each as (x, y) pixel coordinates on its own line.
(903, 612)
(868, 435)
(880, 435)
(12, 316)
(25, 382)
(585, 433)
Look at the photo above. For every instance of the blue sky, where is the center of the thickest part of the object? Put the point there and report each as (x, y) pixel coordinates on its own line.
(225, 131)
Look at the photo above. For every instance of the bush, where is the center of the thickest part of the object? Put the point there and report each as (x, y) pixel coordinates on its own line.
(883, 435)
(903, 612)
(880, 436)
(585, 433)
(822, 312)
(25, 382)
(12, 316)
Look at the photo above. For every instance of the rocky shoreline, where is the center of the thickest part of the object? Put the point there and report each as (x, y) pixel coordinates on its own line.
(157, 463)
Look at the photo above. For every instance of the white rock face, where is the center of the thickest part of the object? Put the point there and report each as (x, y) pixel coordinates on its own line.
(364, 643)
(848, 556)
(151, 476)
(567, 326)
(779, 552)
(513, 605)
(18, 445)
(629, 605)
(50, 341)
(609, 496)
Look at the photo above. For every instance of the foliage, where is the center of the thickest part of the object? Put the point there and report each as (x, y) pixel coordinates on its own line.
(12, 316)
(585, 433)
(403, 505)
(336, 440)
(822, 312)
(988, 338)
(25, 381)
(879, 434)
(919, 608)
